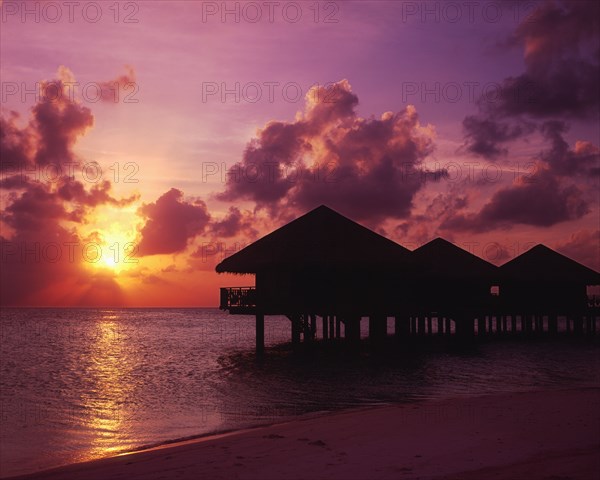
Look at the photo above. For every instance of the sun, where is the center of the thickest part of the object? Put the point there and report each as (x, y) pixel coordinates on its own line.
(111, 242)
(116, 250)
(110, 262)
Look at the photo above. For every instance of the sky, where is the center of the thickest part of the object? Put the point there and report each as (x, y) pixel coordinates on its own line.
(142, 142)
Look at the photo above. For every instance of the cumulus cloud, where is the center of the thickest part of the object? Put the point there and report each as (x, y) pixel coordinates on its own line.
(114, 90)
(41, 249)
(16, 143)
(560, 46)
(55, 124)
(486, 136)
(171, 222)
(58, 122)
(369, 169)
(559, 41)
(236, 222)
(42, 258)
(584, 159)
(541, 202)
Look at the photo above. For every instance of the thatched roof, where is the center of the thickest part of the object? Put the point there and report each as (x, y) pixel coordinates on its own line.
(544, 264)
(442, 259)
(320, 239)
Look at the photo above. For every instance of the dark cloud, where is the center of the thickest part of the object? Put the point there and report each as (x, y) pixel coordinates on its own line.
(369, 169)
(234, 223)
(484, 136)
(541, 202)
(562, 57)
(14, 182)
(83, 199)
(34, 208)
(569, 90)
(58, 122)
(170, 223)
(556, 29)
(41, 251)
(16, 143)
(67, 200)
(419, 228)
(560, 41)
(584, 159)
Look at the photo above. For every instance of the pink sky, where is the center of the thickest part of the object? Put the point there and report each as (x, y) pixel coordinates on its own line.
(417, 119)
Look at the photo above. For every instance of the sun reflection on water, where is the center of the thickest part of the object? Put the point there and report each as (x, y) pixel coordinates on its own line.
(107, 406)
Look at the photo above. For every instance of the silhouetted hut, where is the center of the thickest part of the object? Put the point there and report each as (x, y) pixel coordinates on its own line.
(541, 282)
(321, 263)
(453, 283)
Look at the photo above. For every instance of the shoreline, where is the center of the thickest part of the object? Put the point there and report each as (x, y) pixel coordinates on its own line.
(513, 435)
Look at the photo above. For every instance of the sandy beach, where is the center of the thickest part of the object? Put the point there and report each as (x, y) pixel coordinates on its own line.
(535, 435)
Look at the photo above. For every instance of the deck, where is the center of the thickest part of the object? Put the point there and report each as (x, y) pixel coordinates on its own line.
(238, 300)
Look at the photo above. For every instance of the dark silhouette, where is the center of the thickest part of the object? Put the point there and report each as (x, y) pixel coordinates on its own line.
(543, 283)
(451, 285)
(324, 264)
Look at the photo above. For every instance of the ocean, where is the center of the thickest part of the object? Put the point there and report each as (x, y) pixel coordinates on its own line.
(78, 384)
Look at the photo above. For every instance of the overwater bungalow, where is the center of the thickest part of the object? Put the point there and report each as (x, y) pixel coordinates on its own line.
(325, 265)
(541, 284)
(451, 285)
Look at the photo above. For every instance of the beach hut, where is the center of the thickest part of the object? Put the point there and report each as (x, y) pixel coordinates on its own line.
(321, 263)
(450, 283)
(542, 282)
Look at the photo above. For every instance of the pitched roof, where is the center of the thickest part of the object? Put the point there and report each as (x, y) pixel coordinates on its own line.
(543, 263)
(322, 238)
(441, 258)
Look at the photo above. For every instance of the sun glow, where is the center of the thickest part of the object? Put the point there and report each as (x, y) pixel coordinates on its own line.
(111, 245)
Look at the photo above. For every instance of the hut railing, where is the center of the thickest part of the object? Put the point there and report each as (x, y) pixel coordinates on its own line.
(237, 297)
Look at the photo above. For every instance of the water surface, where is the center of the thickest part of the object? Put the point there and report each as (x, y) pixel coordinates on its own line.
(77, 384)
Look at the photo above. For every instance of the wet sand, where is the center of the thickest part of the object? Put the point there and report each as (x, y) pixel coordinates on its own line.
(534, 436)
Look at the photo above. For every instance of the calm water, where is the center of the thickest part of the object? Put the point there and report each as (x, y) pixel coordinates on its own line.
(77, 384)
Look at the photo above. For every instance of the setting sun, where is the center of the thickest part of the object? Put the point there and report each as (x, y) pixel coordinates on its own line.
(111, 245)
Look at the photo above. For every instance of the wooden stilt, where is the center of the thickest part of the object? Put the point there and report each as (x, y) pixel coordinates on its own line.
(577, 325)
(331, 326)
(352, 325)
(295, 329)
(372, 328)
(481, 326)
(397, 326)
(528, 323)
(588, 324)
(377, 328)
(325, 326)
(421, 325)
(553, 324)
